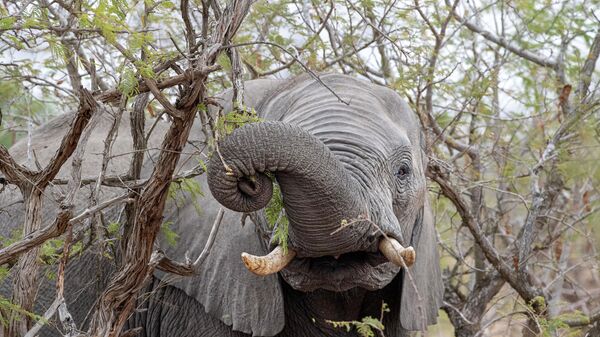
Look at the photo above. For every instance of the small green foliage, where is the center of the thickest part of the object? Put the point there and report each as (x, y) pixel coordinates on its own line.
(185, 188)
(76, 249)
(49, 249)
(558, 326)
(138, 41)
(168, 5)
(235, 119)
(129, 82)
(145, 69)
(7, 23)
(3, 273)
(367, 326)
(574, 316)
(276, 218)
(58, 50)
(384, 308)
(224, 62)
(6, 306)
(342, 324)
(550, 327)
(281, 233)
(203, 165)
(275, 206)
(538, 304)
(169, 234)
(15, 235)
(113, 228)
(109, 17)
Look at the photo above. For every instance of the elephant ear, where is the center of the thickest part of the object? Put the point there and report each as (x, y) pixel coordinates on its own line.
(227, 290)
(422, 292)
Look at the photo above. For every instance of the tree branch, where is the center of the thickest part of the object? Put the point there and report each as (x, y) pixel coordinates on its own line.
(530, 56)
(55, 229)
(517, 280)
(188, 268)
(585, 74)
(114, 95)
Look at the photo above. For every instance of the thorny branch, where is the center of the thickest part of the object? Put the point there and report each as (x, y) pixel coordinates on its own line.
(190, 268)
(525, 290)
(117, 301)
(32, 186)
(56, 228)
(522, 52)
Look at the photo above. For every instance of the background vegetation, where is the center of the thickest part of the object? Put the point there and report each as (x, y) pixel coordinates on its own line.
(507, 91)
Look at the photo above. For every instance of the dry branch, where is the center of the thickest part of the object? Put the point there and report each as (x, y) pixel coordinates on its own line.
(188, 268)
(55, 229)
(32, 188)
(526, 54)
(585, 74)
(518, 280)
(114, 95)
(118, 299)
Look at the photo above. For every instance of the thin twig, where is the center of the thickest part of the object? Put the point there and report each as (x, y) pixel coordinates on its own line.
(304, 66)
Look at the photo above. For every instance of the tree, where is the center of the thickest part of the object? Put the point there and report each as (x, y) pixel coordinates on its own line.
(140, 74)
(507, 93)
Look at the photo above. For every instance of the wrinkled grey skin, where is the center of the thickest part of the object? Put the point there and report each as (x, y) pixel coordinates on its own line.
(333, 162)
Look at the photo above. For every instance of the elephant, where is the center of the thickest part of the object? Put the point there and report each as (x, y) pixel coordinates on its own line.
(349, 161)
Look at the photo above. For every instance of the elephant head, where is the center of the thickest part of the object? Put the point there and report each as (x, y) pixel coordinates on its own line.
(359, 162)
(352, 178)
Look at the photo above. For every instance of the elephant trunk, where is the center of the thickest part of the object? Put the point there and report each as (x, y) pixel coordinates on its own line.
(318, 193)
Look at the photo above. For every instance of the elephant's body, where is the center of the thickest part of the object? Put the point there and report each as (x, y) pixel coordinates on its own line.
(162, 315)
(225, 299)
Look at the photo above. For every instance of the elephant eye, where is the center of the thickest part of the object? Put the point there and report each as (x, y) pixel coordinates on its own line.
(403, 171)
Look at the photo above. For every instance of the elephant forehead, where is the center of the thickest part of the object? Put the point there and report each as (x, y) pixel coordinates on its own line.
(359, 114)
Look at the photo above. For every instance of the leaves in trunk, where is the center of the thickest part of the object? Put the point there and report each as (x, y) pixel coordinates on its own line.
(278, 221)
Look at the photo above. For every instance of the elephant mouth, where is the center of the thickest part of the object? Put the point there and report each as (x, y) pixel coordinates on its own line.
(366, 270)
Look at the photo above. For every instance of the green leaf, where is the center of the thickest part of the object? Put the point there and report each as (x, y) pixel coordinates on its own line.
(49, 249)
(6, 306)
(365, 330)
(169, 234)
(168, 5)
(203, 165)
(113, 228)
(145, 69)
(183, 189)
(237, 118)
(129, 84)
(7, 23)
(365, 326)
(276, 218)
(3, 273)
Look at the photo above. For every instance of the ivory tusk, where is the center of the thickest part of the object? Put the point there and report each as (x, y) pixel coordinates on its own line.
(270, 263)
(393, 251)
